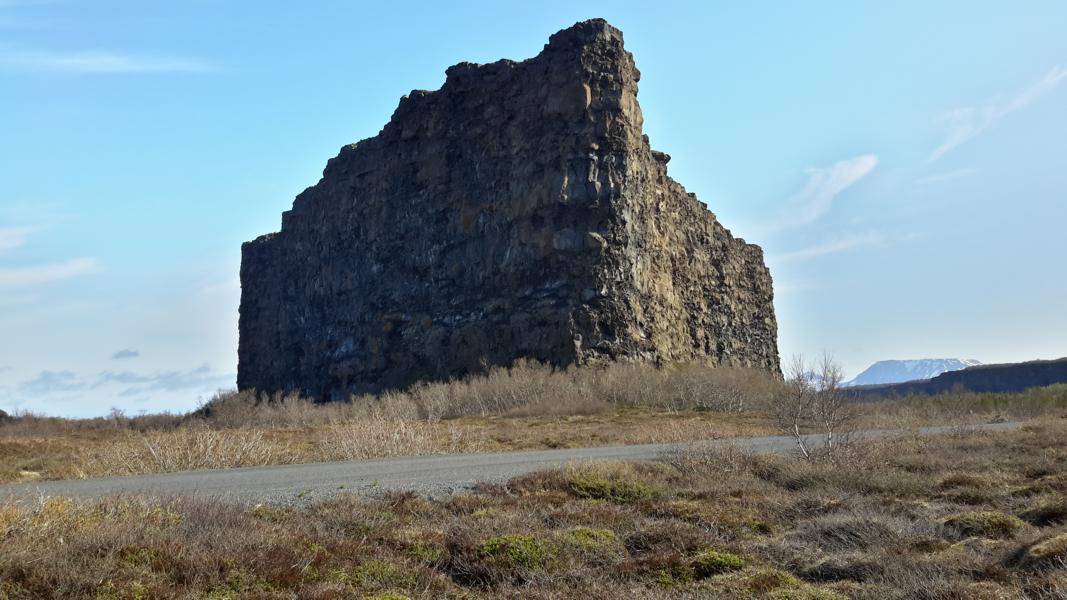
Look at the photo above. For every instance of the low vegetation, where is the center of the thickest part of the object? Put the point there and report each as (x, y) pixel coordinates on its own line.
(526, 406)
(965, 515)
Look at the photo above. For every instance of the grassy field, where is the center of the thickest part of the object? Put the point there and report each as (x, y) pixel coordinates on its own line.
(963, 516)
(118, 450)
(527, 406)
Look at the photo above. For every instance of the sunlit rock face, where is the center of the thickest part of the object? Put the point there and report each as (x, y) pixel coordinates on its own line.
(517, 212)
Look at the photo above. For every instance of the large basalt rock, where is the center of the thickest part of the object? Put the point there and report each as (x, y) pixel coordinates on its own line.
(517, 212)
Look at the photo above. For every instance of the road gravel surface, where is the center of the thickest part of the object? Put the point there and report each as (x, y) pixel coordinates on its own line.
(433, 476)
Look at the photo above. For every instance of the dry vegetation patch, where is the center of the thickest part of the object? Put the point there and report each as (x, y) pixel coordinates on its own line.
(525, 406)
(683, 528)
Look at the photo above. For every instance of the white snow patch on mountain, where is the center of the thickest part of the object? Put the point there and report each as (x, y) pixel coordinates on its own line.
(897, 371)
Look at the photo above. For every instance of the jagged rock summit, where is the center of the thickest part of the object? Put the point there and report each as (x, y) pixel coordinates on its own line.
(517, 212)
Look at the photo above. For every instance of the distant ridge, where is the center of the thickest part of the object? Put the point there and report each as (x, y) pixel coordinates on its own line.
(1011, 377)
(899, 371)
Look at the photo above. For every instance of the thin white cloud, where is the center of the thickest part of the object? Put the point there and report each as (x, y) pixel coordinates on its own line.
(16, 277)
(124, 354)
(52, 382)
(937, 178)
(13, 237)
(823, 186)
(846, 244)
(202, 378)
(966, 123)
(97, 63)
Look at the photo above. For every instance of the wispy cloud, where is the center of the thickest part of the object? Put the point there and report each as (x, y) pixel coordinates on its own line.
(98, 63)
(823, 186)
(16, 277)
(839, 246)
(937, 178)
(202, 378)
(13, 237)
(52, 382)
(129, 383)
(966, 123)
(124, 354)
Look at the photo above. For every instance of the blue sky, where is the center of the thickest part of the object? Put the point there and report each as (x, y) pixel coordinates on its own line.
(903, 164)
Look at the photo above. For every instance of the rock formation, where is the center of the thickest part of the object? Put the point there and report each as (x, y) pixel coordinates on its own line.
(517, 212)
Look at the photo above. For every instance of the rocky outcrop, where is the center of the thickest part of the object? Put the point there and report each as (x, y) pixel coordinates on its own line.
(517, 212)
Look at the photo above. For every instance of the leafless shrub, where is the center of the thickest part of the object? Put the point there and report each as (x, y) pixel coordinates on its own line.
(380, 436)
(813, 401)
(187, 449)
(709, 458)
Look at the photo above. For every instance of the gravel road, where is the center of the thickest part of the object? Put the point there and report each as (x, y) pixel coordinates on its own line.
(433, 476)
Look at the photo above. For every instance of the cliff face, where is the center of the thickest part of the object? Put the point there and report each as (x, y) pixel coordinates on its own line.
(516, 212)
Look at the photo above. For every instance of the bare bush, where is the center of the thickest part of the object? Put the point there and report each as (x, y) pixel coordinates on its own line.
(813, 402)
(380, 436)
(187, 449)
(710, 458)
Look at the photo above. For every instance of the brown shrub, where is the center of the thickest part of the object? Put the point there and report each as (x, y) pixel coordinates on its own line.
(536, 538)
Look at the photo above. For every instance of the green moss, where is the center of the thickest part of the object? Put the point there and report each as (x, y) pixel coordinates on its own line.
(620, 491)
(756, 582)
(805, 593)
(316, 549)
(130, 591)
(241, 581)
(709, 561)
(989, 523)
(377, 574)
(590, 539)
(137, 558)
(519, 551)
(760, 527)
(427, 552)
(675, 577)
(686, 509)
(424, 545)
(1045, 553)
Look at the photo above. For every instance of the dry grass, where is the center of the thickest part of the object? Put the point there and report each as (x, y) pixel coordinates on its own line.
(197, 445)
(527, 406)
(709, 522)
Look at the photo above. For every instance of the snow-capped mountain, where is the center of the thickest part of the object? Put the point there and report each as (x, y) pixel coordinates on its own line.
(896, 371)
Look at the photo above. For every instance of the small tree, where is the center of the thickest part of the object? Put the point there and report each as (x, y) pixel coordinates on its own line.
(793, 411)
(814, 402)
(833, 410)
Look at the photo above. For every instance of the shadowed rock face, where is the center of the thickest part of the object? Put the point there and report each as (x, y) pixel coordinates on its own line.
(517, 212)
